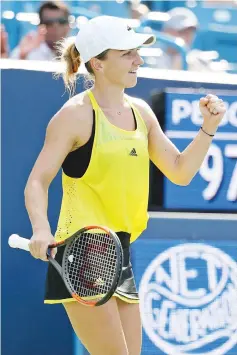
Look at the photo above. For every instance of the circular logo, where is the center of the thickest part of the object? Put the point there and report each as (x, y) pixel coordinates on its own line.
(188, 300)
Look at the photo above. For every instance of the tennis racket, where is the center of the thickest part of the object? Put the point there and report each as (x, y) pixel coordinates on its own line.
(91, 265)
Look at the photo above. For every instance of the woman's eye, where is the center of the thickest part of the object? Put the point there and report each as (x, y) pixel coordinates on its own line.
(132, 52)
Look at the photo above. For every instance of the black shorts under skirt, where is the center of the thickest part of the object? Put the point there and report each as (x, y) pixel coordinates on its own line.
(56, 291)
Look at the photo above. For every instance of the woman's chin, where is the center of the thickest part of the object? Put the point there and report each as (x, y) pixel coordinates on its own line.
(131, 83)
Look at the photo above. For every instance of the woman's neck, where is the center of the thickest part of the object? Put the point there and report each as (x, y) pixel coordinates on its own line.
(109, 97)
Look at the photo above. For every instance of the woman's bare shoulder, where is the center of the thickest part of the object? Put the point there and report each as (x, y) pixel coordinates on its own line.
(77, 106)
(75, 111)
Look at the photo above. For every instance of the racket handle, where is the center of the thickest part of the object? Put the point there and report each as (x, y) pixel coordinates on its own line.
(15, 241)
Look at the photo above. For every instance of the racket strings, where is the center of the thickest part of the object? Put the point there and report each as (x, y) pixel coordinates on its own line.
(92, 264)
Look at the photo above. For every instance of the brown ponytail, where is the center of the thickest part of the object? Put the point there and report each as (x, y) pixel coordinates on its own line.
(69, 55)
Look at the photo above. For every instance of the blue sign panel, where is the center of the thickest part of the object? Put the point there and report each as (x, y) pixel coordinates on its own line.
(187, 290)
(215, 185)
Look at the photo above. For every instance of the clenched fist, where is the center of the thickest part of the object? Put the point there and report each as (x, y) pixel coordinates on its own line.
(213, 110)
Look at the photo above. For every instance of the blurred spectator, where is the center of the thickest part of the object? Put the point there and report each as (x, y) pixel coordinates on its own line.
(4, 42)
(182, 23)
(53, 26)
(138, 10)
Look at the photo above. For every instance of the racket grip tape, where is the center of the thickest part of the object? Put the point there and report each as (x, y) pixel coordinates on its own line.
(15, 241)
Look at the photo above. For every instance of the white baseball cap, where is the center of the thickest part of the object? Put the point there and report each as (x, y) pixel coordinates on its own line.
(108, 32)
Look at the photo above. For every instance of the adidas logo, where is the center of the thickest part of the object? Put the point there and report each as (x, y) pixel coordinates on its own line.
(133, 153)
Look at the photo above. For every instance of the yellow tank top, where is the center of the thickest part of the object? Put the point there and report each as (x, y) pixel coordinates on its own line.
(113, 192)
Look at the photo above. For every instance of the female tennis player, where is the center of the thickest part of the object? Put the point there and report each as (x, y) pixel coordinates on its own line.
(103, 140)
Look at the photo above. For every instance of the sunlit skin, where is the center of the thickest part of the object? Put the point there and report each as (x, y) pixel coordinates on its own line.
(117, 67)
(113, 74)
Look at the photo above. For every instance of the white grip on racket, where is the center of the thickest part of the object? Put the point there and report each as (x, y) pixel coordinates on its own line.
(15, 241)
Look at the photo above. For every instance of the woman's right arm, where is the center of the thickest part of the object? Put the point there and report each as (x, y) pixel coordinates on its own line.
(60, 137)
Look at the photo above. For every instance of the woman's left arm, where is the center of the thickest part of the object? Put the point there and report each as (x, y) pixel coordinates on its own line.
(179, 167)
(212, 109)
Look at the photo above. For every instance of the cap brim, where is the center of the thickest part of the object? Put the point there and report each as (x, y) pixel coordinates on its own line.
(147, 40)
(137, 40)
